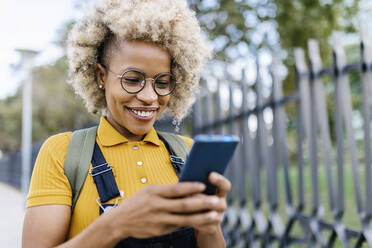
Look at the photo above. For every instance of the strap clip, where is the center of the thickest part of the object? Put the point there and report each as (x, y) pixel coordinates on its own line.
(177, 160)
(91, 170)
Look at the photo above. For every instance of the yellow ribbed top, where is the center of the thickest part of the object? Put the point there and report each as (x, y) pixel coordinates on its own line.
(135, 165)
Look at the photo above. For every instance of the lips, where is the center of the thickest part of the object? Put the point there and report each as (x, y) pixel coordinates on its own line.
(143, 113)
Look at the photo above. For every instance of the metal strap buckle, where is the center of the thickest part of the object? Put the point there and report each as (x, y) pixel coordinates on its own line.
(177, 160)
(109, 167)
(115, 205)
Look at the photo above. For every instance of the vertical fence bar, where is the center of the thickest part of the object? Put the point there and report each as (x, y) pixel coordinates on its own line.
(263, 153)
(280, 131)
(366, 61)
(303, 112)
(233, 171)
(279, 147)
(346, 105)
(321, 109)
(219, 129)
(208, 109)
(339, 230)
(366, 66)
(196, 120)
(339, 143)
(316, 83)
(304, 120)
(248, 158)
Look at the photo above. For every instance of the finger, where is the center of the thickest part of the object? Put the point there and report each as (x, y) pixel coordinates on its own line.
(195, 203)
(209, 228)
(180, 189)
(193, 220)
(222, 183)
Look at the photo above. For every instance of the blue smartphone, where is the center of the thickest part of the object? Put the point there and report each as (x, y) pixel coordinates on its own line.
(209, 153)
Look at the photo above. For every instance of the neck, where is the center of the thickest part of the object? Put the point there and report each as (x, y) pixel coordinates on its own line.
(123, 131)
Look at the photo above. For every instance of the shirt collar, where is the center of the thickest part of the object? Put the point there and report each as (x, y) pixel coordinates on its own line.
(109, 136)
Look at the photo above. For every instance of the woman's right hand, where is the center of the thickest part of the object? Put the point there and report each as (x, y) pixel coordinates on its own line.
(152, 211)
(159, 209)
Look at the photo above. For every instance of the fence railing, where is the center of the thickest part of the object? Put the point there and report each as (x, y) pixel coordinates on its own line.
(287, 190)
(11, 164)
(297, 173)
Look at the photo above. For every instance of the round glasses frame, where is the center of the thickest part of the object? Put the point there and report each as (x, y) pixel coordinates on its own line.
(143, 83)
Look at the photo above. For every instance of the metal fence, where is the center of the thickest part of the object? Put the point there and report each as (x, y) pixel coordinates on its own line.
(287, 190)
(11, 164)
(299, 179)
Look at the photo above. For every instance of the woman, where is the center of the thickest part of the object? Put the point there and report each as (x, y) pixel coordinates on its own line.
(131, 61)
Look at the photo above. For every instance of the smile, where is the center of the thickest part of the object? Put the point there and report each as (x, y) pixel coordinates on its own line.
(142, 113)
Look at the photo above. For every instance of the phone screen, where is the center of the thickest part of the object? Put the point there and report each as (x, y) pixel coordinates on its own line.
(209, 153)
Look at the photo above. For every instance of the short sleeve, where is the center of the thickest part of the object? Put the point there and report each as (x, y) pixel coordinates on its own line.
(49, 185)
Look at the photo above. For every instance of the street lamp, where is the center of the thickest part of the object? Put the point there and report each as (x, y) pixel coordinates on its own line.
(26, 64)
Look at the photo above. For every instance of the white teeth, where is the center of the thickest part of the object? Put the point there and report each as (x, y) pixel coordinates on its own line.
(143, 113)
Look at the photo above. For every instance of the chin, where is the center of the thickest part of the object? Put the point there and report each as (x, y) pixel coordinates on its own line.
(141, 131)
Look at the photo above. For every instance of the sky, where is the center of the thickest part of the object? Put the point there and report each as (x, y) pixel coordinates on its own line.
(34, 24)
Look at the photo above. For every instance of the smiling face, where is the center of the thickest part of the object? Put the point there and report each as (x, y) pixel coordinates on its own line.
(133, 115)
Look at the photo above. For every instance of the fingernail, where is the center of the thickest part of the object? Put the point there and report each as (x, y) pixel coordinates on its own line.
(214, 200)
(201, 186)
(216, 175)
(212, 215)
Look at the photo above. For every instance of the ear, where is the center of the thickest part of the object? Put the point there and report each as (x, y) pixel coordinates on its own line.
(101, 76)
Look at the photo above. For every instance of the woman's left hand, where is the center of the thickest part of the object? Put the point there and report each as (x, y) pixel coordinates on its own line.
(217, 209)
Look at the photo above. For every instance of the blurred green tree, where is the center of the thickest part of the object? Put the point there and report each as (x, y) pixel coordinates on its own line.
(233, 26)
(55, 106)
(238, 26)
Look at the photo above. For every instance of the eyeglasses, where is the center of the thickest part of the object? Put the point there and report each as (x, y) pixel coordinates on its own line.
(133, 81)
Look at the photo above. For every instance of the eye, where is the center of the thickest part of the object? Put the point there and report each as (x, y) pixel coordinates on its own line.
(132, 80)
(162, 84)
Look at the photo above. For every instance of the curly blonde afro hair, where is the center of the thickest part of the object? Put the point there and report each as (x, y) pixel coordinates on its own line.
(168, 23)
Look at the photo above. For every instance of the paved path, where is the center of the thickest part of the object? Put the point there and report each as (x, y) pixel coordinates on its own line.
(11, 216)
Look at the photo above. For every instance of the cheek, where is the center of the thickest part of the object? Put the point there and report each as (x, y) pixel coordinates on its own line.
(163, 101)
(113, 98)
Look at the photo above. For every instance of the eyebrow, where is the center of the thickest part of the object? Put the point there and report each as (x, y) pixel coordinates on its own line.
(122, 70)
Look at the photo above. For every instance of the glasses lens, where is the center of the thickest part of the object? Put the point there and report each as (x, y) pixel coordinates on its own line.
(164, 84)
(132, 81)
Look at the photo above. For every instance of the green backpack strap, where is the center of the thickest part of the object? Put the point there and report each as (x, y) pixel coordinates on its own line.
(78, 158)
(178, 145)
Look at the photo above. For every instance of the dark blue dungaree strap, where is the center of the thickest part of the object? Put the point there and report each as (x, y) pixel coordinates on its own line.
(107, 189)
(177, 162)
(103, 176)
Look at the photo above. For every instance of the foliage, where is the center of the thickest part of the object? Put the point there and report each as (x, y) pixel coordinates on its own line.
(276, 25)
(10, 124)
(55, 106)
(236, 28)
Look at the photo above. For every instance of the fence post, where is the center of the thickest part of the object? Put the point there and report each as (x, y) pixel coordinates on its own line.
(196, 122)
(249, 164)
(279, 146)
(317, 84)
(208, 107)
(303, 117)
(219, 129)
(339, 78)
(342, 82)
(263, 153)
(366, 70)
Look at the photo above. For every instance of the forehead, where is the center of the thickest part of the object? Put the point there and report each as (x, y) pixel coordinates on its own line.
(146, 56)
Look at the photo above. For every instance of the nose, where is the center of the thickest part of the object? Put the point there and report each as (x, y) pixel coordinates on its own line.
(147, 94)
